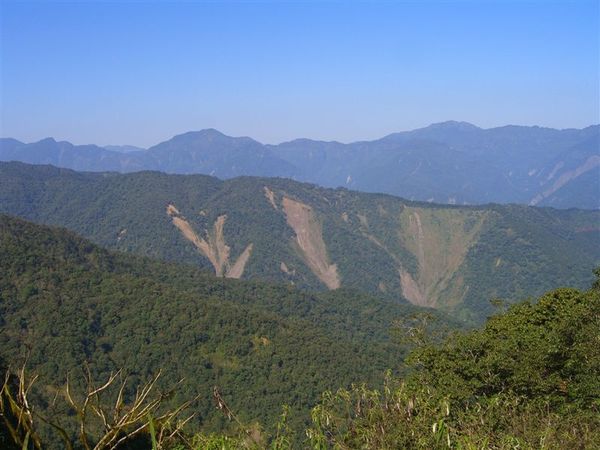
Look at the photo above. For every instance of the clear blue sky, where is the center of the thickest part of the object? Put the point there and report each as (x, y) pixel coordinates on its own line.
(141, 72)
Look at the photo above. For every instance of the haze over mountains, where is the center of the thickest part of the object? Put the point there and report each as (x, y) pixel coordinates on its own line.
(450, 162)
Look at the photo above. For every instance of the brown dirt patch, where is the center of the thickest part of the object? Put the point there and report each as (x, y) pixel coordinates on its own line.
(172, 211)
(237, 270)
(214, 246)
(220, 249)
(589, 164)
(440, 240)
(309, 238)
(284, 268)
(411, 289)
(271, 197)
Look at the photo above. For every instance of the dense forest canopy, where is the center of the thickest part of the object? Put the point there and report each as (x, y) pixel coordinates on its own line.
(66, 302)
(529, 378)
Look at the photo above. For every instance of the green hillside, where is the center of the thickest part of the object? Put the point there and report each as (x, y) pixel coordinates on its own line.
(529, 378)
(65, 302)
(453, 258)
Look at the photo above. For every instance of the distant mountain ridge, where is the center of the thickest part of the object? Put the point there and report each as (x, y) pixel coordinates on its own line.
(449, 162)
(124, 148)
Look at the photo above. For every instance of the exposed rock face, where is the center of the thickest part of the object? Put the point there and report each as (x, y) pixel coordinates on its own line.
(271, 197)
(591, 163)
(440, 245)
(309, 238)
(213, 247)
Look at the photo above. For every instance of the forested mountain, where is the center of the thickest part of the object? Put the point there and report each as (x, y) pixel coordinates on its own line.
(450, 162)
(65, 302)
(529, 376)
(65, 154)
(454, 258)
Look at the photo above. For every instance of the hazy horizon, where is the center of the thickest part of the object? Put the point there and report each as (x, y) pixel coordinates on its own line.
(87, 73)
(166, 138)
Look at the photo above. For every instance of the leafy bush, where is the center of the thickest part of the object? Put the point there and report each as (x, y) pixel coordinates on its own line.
(529, 379)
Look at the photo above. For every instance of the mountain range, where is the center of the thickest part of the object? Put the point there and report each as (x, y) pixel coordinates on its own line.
(449, 257)
(449, 162)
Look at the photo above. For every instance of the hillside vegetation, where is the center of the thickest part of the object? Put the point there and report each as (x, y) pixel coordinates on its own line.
(451, 258)
(529, 378)
(65, 302)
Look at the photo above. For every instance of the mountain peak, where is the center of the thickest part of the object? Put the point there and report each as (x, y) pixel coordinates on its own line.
(208, 136)
(211, 132)
(454, 125)
(207, 133)
(48, 140)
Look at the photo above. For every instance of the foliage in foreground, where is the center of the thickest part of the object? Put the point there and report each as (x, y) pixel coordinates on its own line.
(529, 379)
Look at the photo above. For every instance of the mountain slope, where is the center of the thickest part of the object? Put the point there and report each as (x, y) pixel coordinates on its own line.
(574, 173)
(65, 154)
(211, 152)
(448, 257)
(65, 301)
(449, 162)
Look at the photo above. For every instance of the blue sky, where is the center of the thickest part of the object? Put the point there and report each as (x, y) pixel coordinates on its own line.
(141, 72)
